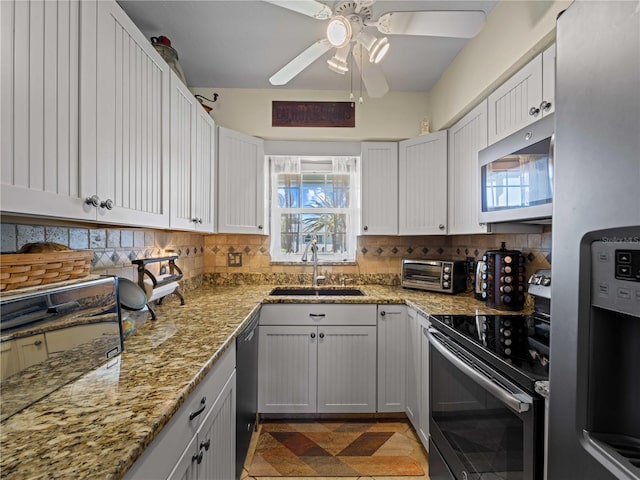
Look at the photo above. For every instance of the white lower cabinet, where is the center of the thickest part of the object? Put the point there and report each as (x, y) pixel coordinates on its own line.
(423, 431)
(311, 360)
(210, 455)
(199, 440)
(412, 407)
(392, 357)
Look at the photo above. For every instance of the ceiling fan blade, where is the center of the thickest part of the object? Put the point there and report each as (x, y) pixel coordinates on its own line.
(310, 8)
(371, 73)
(450, 23)
(295, 66)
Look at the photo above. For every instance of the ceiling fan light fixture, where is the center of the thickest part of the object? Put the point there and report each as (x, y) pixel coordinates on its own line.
(379, 50)
(338, 63)
(339, 31)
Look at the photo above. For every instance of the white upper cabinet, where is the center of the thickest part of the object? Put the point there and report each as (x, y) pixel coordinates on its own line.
(466, 139)
(124, 112)
(526, 97)
(379, 170)
(192, 156)
(40, 164)
(241, 183)
(422, 185)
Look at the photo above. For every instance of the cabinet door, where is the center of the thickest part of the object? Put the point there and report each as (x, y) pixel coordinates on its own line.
(516, 103)
(183, 156)
(241, 182)
(217, 437)
(346, 369)
(379, 170)
(186, 467)
(549, 80)
(392, 357)
(31, 350)
(39, 126)
(413, 369)
(466, 139)
(422, 185)
(130, 97)
(423, 431)
(287, 369)
(204, 181)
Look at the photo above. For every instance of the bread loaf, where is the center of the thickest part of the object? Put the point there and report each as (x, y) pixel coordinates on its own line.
(42, 247)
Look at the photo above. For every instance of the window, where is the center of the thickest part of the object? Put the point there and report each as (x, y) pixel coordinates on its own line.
(314, 196)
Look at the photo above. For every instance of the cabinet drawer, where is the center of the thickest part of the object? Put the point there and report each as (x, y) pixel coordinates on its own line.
(159, 458)
(318, 314)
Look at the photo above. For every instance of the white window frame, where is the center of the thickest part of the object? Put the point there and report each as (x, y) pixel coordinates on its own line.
(347, 165)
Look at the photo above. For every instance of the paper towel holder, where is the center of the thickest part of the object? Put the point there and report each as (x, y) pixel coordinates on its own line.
(162, 285)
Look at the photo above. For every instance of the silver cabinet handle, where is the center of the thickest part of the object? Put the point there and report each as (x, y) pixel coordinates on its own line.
(93, 200)
(108, 204)
(533, 111)
(545, 106)
(518, 402)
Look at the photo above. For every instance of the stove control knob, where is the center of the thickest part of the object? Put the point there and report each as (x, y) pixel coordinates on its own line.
(506, 298)
(507, 341)
(507, 351)
(546, 281)
(507, 333)
(447, 269)
(506, 289)
(507, 269)
(508, 259)
(532, 278)
(445, 276)
(445, 284)
(507, 323)
(507, 279)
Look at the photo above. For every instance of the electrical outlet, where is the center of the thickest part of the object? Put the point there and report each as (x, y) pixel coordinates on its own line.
(234, 259)
(471, 264)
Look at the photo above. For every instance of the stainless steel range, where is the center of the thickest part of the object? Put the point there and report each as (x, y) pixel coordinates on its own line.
(486, 418)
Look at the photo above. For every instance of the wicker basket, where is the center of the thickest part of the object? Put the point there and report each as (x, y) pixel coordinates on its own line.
(19, 270)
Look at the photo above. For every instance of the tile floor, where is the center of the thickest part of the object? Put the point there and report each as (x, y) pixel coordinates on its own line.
(418, 453)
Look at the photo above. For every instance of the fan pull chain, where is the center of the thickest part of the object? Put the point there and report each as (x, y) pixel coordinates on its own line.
(362, 62)
(351, 98)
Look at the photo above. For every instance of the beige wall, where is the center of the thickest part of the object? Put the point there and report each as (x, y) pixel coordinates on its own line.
(395, 116)
(515, 32)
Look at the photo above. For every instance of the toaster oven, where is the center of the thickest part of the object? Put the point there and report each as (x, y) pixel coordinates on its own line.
(445, 276)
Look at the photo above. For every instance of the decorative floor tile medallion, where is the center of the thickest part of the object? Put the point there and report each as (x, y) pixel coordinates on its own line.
(335, 449)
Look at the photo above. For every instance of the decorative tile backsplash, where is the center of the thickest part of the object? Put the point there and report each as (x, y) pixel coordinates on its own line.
(206, 257)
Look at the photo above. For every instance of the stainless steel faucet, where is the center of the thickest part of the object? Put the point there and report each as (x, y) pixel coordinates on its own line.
(313, 244)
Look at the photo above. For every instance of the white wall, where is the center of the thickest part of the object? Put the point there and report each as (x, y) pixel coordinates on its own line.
(396, 116)
(515, 32)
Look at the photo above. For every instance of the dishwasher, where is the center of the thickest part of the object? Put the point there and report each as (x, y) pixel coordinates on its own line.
(246, 389)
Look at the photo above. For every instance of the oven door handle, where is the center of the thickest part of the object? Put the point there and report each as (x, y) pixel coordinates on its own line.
(518, 402)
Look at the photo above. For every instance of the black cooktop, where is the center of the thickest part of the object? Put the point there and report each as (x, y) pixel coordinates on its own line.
(516, 345)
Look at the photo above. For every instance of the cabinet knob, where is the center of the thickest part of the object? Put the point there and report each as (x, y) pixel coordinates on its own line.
(533, 111)
(198, 457)
(383, 313)
(93, 200)
(37, 343)
(545, 106)
(365, 228)
(205, 445)
(313, 335)
(441, 226)
(259, 227)
(321, 335)
(199, 219)
(108, 204)
(194, 220)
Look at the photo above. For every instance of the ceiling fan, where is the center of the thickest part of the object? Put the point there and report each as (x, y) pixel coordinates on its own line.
(348, 32)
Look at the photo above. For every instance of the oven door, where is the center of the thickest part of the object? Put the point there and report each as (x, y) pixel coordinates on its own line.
(481, 424)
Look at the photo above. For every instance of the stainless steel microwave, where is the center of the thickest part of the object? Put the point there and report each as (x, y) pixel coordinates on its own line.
(516, 175)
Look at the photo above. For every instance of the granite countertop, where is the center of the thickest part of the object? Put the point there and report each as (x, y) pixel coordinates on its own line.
(98, 425)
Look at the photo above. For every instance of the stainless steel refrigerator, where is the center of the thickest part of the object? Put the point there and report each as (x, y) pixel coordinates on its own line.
(594, 409)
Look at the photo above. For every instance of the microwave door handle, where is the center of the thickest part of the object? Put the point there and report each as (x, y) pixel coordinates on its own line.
(519, 402)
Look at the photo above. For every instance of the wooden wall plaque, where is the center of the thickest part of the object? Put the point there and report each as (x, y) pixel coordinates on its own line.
(312, 114)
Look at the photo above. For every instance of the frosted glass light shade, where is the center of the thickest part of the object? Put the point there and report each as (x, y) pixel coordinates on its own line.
(339, 31)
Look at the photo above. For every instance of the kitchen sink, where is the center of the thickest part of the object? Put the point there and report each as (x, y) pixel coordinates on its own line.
(318, 292)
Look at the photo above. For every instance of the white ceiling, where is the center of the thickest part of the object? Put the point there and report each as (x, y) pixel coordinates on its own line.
(241, 43)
